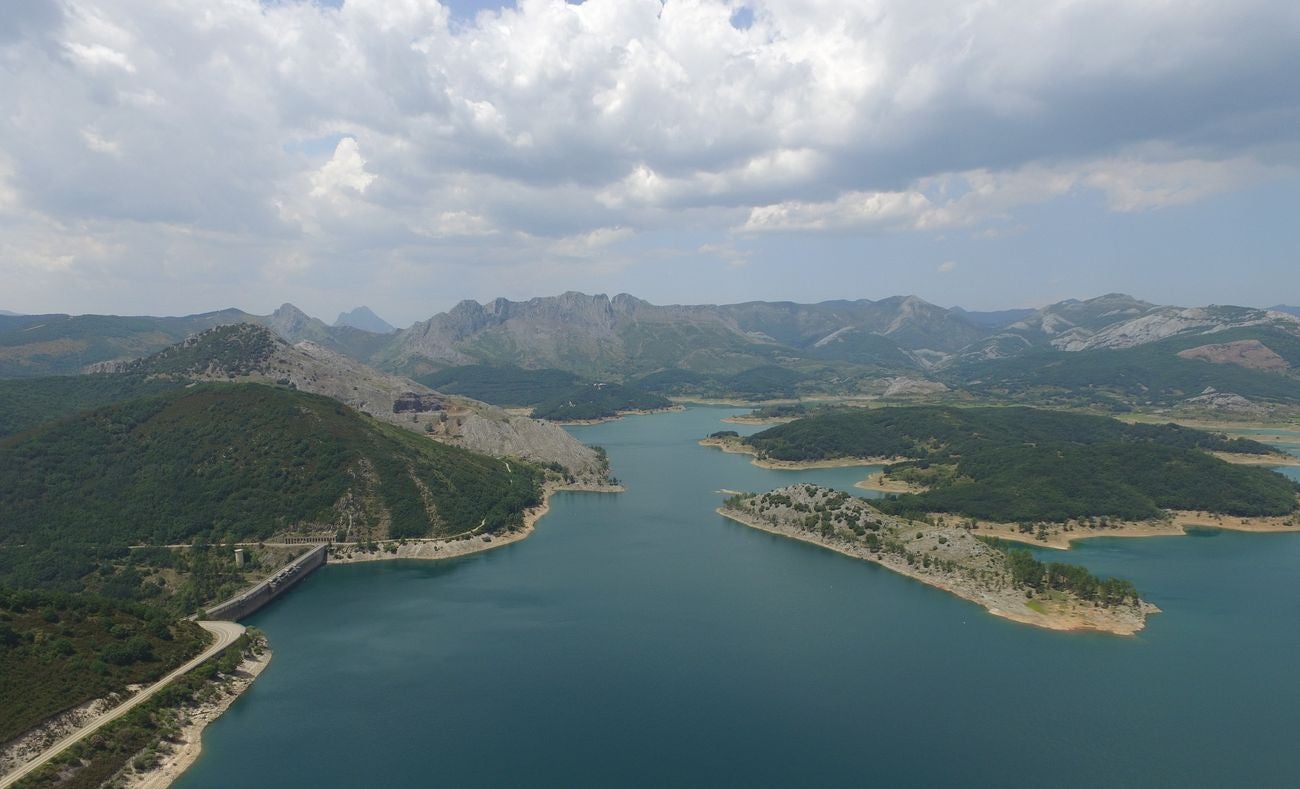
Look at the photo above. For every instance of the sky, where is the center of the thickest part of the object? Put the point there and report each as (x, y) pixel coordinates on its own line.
(178, 157)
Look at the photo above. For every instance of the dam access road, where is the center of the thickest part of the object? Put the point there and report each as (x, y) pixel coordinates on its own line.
(224, 634)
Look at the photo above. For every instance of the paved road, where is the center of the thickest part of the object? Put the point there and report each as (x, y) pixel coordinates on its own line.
(225, 632)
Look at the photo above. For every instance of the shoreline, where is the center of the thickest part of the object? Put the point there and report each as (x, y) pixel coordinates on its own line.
(616, 417)
(878, 482)
(733, 447)
(1179, 525)
(759, 420)
(435, 549)
(1276, 459)
(1075, 620)
(182, 755)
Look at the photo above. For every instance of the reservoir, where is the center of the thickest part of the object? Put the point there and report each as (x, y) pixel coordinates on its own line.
(639, 639)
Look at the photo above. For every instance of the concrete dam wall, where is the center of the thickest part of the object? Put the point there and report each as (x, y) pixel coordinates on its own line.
(250, 600)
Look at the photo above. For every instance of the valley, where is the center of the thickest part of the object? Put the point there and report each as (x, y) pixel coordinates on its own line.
(186, 437)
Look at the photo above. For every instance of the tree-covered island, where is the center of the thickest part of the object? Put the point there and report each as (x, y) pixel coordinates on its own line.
(1034, 473)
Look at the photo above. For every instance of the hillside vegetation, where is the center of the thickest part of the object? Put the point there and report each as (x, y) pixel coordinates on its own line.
(1152, 374)
(227, 462)
(1023, 464)
(29, 402)
(58, 651)
(504, 385)
(598, 401)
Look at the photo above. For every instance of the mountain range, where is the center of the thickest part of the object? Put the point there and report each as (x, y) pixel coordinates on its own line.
(835, 347)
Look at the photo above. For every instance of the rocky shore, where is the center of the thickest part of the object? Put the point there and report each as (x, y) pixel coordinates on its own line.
(462, 545)
(174, 757)
(944, 556)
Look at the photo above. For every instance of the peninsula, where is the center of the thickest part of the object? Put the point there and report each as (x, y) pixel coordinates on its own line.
(1008, 583)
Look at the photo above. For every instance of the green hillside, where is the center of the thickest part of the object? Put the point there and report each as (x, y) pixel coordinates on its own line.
(29, 402)
(58, 651)
(64, 344)
(1024, 464)
(598, 401)
(939, 432)
(1144, 375)
(765, 382)
(227, 462)
(504, 385)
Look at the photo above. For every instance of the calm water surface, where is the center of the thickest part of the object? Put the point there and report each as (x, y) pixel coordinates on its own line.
(639, 639)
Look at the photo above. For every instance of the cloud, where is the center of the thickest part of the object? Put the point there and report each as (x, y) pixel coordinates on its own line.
(533, 130)
(980, 197)
(947, 266)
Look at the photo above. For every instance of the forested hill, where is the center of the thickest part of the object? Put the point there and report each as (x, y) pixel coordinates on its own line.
(1028, 465)
(598, 401)
(936, 432)
(230, 462)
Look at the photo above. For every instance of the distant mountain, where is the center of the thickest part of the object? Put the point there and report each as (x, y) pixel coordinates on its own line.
(7, 312)
(993, 319)
(754, 350)
(35, 345)
(38, 345)
(600, 337)
(365, 319)
(1117, 321)
(1284, 308)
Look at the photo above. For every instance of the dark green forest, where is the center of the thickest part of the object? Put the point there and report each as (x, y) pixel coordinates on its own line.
(767, 382)
(598, 401)
(226, 462)
(29, 402)
(59, 650)
(1025, 465)
(504, 385)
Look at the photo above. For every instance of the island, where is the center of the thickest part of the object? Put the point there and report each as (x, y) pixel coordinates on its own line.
(944, 554)
(1038, 469)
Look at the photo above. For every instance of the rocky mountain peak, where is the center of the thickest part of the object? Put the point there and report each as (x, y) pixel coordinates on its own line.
(365, 319)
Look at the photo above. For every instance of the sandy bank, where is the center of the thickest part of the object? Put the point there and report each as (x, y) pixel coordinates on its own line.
(1275, 459)
(177, 756)
(759, 420)
(880, 482)
(1178, 524)
(733, 446)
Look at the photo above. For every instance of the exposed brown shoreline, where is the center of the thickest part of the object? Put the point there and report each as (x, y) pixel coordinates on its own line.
(1176, 526)
(733, 446)
(1008, 604)
(616, 417)
(180, 756)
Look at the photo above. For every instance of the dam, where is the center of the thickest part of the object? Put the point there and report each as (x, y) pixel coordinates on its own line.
(250, 600)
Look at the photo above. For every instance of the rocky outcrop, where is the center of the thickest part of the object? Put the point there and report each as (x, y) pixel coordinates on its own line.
(912, 387)
(417, 403)
(494, 432)
(942, 553)
(1225, 402)
(1251, 354)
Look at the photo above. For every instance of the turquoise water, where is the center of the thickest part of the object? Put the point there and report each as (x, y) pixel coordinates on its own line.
(639, 639)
